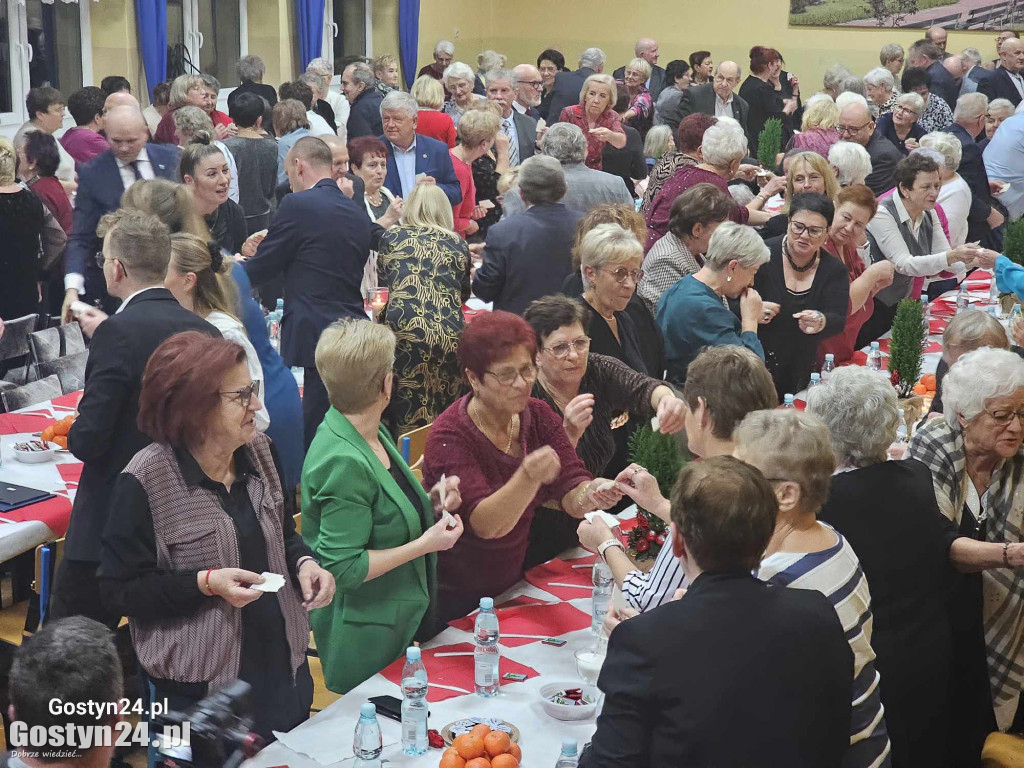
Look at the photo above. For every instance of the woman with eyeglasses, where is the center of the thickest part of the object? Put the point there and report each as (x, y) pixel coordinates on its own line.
(900, 126)
(195, 519)
(806, 293)
(511, 454)
(591, 393)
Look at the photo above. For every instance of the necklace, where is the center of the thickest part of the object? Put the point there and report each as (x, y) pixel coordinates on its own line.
(512, 424)
(809, 265)
(376, 201)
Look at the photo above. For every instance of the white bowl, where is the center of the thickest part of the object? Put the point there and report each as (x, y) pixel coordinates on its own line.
(563, 711)
(36, 457)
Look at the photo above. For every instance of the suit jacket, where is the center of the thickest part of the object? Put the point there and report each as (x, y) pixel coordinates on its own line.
(566, 91)
(585, 189)
(1000, 86)
(433, 159)
(364, 117)
(943, 84)
(526, 132)
(99, 192)
(701, 98)
(319, 240)
(884, 156)
(972, 170)
(979, 74)
(526, 257)
(657, 80)
(105, 435)
(351, 503)
(686, 684)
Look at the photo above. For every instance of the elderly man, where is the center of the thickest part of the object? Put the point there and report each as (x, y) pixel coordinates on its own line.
(973, 70)
(647, 49)
(969, 122)
(957, 67)
(529, 90)
(414, 159)
(1002, 38)
(880, 86)
(338, 103)
(926, 55)
(521, 129)
(937, 36)
(357, 83)
(715, 98)
(856, 125)
(567, 87)
(1004, 161)
(585, 187)
(1007, 82)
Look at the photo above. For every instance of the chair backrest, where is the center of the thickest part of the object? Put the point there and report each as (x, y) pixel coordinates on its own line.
(298, 522)
(417, 444)
(14, 348)
(46, 345)
(74, 342)
(70, 369)
(57, 548)
(32, 393)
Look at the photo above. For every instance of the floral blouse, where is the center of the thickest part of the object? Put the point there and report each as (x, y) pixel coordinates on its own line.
(643, 105)
(595, 147)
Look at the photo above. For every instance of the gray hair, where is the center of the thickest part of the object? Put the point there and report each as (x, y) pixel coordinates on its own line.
(890, 52)
(593, 58)
(880, 76)
(970, 106)
(736, 241)
(972, 55)
(861, 411)
(739, 69)
(1001, 104)
(912, 100)
(851, 161)
(932, 154)
(502, 74)
(399, 100)
(947, 145)
(852, 84)
(250, 69)
(189, 121)
(210, 81)
(608, 244)
(457, 70)
(320, 64)
(846, 98)
(445, 46)
(978, 377)
(834, 77)
(488, 60)
(363, 73)
(541, 180)
(723, 145)
(566, 143)
(315, 81)
(971, 330)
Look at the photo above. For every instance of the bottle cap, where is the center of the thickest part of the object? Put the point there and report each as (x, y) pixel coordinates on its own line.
(874, 345)
(412, 653)
(368, 710)
(787, 398)
(568, 746)
(830, 357)
(815, 376)
(487, 603)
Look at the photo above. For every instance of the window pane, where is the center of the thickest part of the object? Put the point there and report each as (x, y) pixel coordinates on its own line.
(178, 60)
(350, 16)
(6, 99)
(55, 34)
(219, 26)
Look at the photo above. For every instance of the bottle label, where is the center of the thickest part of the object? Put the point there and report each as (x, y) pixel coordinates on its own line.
(485, 673)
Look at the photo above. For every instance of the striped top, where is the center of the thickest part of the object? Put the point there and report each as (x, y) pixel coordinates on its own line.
(645, 591)
(836, 573)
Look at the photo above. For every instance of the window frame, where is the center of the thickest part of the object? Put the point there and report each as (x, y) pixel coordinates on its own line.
(331, 31)
(194, 40)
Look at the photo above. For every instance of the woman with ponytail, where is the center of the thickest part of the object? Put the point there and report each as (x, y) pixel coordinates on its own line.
(207, 176)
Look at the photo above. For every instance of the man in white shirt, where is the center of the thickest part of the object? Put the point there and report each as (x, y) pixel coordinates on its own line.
(502, 85)
(716, 98)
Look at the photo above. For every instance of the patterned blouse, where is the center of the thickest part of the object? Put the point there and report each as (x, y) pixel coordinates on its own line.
(643, 105)
(454, 110)
(595, 147)
(668, 261)
(663, 170)
(937, 115)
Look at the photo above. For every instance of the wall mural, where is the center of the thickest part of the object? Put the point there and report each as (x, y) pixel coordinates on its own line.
(965, 14)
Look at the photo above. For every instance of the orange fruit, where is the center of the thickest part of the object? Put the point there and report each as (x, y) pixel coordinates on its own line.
(920, 389)
(504, 761)
(481, 730)
(451, 759)
(479, 762)
(497, 743)
(515, 751)
(61, 440)
(929, 381)
(47, 435)
(469, 746)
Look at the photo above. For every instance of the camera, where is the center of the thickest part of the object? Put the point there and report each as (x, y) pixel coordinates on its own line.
(218, 729)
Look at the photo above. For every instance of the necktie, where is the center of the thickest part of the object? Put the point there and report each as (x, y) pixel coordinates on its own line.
(135, 169)
(513, 146)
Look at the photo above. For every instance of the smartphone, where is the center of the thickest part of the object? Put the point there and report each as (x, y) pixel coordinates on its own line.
(388, 706)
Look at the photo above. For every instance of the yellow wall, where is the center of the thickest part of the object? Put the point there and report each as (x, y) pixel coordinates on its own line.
(469, 24)
(115, 46)
(385, 27)
(271, 33)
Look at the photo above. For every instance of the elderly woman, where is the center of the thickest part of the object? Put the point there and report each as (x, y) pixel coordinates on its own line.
(46, 107)
(595, 116)
(38, 161)
(189, 122)
(368, 159)
(976, 462)
(855, 207)
(488, 170)
(195, 519)
(805, 172)
(21, 221)
(488, 61)
(703, 67)
(818, 128)
(677, 79)
(511, 454)
(425, 266)
(290, 125)
(549, 63)
(794, 452)
(161, 103)
(955, 196)
(937, 115)
(477, 132)
(255, 156)
(900, 125)
(430, 121)
(458, 80)
(881, 90)
(694, 312)
(696, 214)
(206, 173)
(689, 138)
(385, 69)
(221, 121)
(250, 70)
(185, 90)
(759, 91)
(367, 516)
(998, 110)
(850, 162)
(640, 113)
(595, 396)
(911, 629)
(658, 143)
(966, 332)
(891, 57)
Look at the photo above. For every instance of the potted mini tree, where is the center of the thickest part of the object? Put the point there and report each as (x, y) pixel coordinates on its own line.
(659, 455)
(906, 353)
(769, 143)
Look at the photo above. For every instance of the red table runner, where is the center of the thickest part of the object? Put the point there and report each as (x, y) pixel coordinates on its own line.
(55, 513)
(456, 671)
(540, 619)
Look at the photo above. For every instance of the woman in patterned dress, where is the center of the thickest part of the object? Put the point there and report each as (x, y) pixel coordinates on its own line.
(425, 267)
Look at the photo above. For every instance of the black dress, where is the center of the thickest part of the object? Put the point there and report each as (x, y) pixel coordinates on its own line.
(21, 222)
(227, 225)
(485, 178)
(765, 103)
(627, 163)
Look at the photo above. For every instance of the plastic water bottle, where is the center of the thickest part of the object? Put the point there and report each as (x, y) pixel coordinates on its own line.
(414, 704)
(828, 366)
(1015, 315)
(993, 291)
(367, 744)
(568, 758)
(963, 303)
(926, 318)
(274, 325)
(815, 380)
(875, 357)
(901, 428)
(487, 654)
(788, 401)
(603, 583)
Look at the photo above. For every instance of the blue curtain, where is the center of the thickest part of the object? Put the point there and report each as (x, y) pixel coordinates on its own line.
(309, 14)
(409, 37)
(151, 16)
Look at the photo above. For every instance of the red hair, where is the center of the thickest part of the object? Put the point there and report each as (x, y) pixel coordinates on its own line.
(690, 134)
(492, 337)
(761, 57)
(180, 386)
(859, 195)
(363, 147)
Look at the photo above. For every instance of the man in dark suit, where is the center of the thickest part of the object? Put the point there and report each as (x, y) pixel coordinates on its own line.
(686, 684)
(105, 436)
(1007, 82)
(969, 121)
(520, 128)
(647, 49)
(567, 87)
(414, 159)
(529, 91)
(714, 98)
(925, 55)
(101, 183)
(972, 64)
(855, 124)
(357, 83)
(319, 240)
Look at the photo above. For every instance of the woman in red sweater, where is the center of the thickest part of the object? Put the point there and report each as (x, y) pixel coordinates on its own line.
(477, 131)
(429, 94)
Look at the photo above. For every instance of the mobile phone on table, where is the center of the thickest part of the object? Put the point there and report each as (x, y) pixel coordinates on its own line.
(388, 706)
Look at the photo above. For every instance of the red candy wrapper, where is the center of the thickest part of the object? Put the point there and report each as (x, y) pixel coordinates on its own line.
(434, 739)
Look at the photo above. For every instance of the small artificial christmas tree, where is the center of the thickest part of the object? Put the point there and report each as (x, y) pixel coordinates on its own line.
(659, 455)
(906, 347)
(1013, 242)
(769, 143)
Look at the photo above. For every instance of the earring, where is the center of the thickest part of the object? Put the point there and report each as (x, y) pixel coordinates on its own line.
(728, 279)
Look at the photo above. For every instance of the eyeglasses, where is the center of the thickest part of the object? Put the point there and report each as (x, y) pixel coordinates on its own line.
(528, 373)
(101, 260)
(852, 128)
(622, 273)
(245, 394)
(907, 110)
(534, 83)
(1005, 417)
(581, 345)
(798, 229)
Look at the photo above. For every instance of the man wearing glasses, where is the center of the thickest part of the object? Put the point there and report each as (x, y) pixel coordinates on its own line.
(529, 91)
(856, 125)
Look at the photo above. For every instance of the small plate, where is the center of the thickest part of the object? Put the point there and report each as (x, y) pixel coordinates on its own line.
(36, 457)
(465, 725)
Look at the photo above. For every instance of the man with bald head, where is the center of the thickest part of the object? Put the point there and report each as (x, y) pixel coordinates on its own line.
(1007, 82)
(937, 35)
(100, 186)
(529, 90)
(716, 98)
(856, 125)
(647, 49)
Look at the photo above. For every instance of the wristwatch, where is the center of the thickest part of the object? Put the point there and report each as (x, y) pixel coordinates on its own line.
(605, 545)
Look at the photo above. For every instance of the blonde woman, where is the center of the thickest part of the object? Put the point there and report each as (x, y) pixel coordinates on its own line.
(818, 130)
(596, 117)
(805, 172)
(385, 69)
(431, 121)
(641, 106)
(185, 90)
(21, 222)
(477, 131)
(488, 61)
(425, 267)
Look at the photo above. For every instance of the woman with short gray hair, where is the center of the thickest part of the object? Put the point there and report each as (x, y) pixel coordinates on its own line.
(566, 143)
(880, 86)
(900, 126)
(966, 332)
(250, 70)
(977, 466)
(891, 56)
(998, 111)
(458, 80)
(850, 161)
(694, 312)
(955, 196)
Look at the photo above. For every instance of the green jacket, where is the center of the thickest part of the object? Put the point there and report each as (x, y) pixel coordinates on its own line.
(351, 504)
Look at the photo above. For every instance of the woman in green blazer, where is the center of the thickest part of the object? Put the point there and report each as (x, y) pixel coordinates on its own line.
(366, 516)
